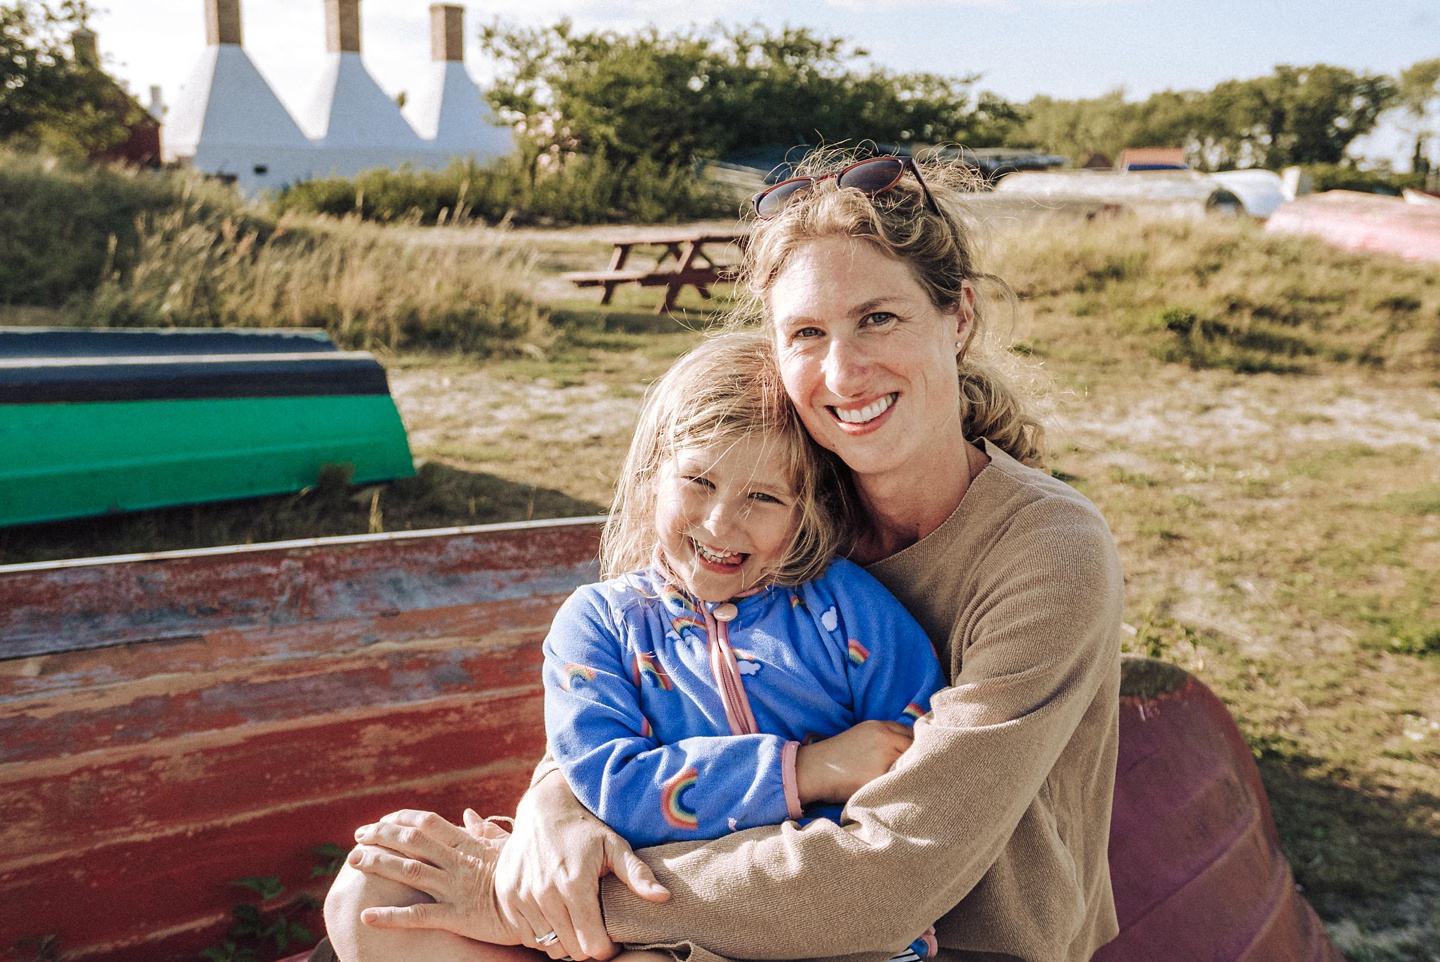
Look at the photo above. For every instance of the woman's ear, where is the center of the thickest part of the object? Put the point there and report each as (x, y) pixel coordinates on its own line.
(963, 312)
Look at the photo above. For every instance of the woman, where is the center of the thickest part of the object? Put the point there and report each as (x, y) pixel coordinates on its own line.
(996, 820)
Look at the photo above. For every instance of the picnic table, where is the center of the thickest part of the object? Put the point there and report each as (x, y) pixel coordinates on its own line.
(693, 265)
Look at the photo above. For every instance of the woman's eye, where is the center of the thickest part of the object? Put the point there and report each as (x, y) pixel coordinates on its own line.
(806, 334)
(878, 319)
(766, 498)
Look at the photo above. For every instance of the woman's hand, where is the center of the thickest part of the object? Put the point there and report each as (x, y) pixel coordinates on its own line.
(454, 866)
(548, 875)
(834, 768)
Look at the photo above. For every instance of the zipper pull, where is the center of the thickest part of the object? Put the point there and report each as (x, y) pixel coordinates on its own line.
(725, 611)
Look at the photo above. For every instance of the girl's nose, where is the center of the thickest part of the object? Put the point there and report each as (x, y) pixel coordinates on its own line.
(720, 519)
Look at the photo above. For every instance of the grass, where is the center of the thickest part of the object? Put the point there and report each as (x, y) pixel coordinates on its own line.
(1277, 510)
(369, 288)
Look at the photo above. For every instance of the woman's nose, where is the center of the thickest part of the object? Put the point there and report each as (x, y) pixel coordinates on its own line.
(846, 367)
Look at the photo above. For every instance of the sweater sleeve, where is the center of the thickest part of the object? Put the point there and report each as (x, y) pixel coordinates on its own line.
(1039, 641)
(889, 659)
(693, 788)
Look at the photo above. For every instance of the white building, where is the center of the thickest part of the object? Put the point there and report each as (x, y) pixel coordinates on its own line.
(228, 121)
(450, 113)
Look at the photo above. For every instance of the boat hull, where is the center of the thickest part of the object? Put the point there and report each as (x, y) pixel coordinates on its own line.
(173, 723)
(104, 421)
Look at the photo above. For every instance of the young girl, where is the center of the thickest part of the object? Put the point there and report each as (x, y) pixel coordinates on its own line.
(679, 692)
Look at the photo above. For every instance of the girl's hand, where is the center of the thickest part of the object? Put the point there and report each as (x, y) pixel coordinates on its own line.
(834, 768)
(454, 866)
(548, 874)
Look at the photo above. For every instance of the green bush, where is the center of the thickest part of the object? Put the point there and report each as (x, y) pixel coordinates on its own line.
(1349, 177)
(519, 188)
(66, 225)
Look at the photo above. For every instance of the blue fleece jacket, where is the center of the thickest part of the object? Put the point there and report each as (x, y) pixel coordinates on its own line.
(643, 714)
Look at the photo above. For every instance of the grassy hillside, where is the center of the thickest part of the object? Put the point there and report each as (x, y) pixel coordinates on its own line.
(1258, 418)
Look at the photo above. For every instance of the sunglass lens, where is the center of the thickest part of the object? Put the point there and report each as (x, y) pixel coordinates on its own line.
(873, 176)
(771, 202)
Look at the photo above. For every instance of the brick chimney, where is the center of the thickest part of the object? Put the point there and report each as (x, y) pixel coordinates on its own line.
(222, 22)
(342, 26)
(87, 49)
(447, 32)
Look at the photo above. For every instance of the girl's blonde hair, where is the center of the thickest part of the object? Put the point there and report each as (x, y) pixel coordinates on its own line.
(724, 391)
(939, 248)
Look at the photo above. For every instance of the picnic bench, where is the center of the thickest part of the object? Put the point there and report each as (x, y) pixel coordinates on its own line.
(692, 265)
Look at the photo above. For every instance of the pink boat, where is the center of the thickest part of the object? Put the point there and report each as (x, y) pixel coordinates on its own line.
(1364, 222)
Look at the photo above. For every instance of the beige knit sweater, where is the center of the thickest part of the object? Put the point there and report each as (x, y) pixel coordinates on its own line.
(997, 819)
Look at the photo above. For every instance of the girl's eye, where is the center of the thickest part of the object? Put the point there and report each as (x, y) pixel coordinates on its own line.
(702, 481)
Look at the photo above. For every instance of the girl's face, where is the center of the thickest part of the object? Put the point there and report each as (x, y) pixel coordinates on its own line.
(725, 513)
(867, 358)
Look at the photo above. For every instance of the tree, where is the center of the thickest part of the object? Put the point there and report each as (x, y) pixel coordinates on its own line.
(1297, 115)
(674, 98)
(1418, 93)
(49, 97)
(1300, 115)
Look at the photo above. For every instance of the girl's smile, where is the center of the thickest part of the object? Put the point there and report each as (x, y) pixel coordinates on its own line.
(725, 515)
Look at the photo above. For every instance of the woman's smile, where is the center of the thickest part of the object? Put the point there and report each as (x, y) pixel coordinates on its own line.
(864, 416)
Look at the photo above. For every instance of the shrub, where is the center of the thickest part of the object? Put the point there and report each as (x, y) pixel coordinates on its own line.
(1349, 177)
(524, 188)
(65, 225)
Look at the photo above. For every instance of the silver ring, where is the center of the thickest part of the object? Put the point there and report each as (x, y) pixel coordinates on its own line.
(548, 939)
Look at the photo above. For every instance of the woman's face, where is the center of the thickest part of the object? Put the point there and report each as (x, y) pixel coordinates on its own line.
(866, 357)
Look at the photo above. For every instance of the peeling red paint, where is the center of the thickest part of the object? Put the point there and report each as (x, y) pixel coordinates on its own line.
(171, 724)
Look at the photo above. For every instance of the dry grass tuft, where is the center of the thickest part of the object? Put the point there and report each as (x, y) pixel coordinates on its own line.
(368, 287)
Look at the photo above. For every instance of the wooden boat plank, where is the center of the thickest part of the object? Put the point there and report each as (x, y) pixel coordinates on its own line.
(114, 716)
(183, 596)
(60, 808)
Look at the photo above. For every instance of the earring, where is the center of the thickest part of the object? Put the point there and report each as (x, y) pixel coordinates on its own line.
(959, 345)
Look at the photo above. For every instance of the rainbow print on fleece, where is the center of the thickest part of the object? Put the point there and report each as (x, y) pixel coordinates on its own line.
(673, 595)
(646, 667)
(571, 672)
(688, 621)
(672, 806)
(858, 653)
(913, 711)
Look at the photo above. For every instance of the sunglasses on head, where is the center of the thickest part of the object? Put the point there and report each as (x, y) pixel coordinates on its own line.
(871, 177)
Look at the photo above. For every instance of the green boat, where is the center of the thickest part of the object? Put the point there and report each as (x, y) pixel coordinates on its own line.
(98, 421)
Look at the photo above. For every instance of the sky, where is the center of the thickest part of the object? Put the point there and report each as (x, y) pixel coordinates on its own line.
(1067, 49)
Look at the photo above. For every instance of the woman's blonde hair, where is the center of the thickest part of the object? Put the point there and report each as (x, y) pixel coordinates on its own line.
(726, 390)
(936, 244)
